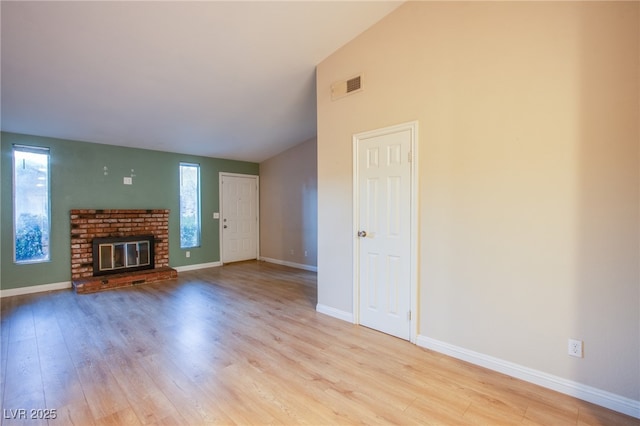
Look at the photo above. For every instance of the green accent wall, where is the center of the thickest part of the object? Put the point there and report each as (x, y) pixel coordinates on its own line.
(78, 182)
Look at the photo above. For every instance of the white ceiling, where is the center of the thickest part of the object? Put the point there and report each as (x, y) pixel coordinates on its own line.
(220, 79)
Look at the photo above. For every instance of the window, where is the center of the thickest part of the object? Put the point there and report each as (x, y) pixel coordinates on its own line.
(31, 213)
(189, 205)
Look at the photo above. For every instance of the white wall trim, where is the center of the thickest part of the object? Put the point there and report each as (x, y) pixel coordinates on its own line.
(336, 313)
(197, 266)
(290, 264)
(605, 399)
(35, 289)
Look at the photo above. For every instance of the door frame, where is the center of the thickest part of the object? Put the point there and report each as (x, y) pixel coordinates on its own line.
(221, 210)
(412, 126)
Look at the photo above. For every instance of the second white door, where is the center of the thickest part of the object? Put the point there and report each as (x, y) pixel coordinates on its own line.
(384, 230)
(239, 216)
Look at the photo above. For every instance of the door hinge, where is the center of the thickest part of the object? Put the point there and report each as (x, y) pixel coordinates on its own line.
(410, 156)
(409, 316)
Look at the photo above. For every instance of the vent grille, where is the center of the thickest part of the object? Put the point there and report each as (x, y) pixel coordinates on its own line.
(353, 84)
(346, 87)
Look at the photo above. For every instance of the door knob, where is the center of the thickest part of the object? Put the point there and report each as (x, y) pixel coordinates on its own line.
(362, 234)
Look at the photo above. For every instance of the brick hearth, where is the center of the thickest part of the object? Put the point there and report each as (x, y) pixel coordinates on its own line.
(87, 224)
(107, 282)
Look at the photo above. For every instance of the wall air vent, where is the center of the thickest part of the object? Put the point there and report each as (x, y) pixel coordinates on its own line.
(346, 87)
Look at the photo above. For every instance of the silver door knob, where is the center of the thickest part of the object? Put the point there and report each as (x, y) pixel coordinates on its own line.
(362, 234)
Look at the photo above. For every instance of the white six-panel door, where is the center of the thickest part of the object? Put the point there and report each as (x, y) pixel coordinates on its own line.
(383, 245)
(239, 216)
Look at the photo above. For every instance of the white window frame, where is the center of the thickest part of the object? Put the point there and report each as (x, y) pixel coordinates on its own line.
(35, 150)
(198, 205)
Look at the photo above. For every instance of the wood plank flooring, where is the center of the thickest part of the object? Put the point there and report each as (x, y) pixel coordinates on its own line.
(243, 344)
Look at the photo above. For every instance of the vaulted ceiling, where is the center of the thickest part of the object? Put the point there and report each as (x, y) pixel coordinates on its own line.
(221, 79)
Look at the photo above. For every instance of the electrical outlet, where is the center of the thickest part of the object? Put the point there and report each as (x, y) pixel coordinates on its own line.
(188, 254)
(291, 251)
(575, 348)
(305, 253)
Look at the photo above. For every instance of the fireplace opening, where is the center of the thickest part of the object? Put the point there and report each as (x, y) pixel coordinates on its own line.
(114, 255)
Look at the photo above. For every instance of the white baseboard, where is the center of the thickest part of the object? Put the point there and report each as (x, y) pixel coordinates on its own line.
(336, 313)
(605, 399)
(290, 264)
(67, 284)
(197, 266)
(35, 289)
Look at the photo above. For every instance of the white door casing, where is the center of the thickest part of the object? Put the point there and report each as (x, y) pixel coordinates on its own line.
(385, 287)
(239, 217)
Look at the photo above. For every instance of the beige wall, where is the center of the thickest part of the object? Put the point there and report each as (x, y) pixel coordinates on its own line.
(289, 206)
(528, 182)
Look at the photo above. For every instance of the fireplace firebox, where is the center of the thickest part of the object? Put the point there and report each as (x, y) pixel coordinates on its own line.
(114, 255)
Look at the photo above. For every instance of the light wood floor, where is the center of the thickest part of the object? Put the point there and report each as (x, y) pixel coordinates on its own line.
(243, 344)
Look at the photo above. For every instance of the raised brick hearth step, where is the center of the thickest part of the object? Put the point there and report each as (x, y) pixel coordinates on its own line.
(128, 279)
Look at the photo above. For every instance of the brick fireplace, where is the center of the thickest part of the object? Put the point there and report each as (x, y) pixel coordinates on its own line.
(87, 225)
